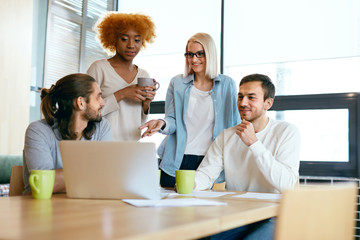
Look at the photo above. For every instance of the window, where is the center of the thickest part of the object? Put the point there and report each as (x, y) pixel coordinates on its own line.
(310, 49)
(316, 55)
(305, 46)
(318, 143)
(70, 42)
(329, 129)
(308, 76)
(175, 23)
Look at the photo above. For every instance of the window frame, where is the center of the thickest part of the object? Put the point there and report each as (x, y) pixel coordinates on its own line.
(350, 101)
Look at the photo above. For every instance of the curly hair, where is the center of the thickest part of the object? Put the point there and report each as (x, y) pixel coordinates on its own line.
(112, 24)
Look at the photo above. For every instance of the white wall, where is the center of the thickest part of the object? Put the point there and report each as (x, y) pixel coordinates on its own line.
(15, 71)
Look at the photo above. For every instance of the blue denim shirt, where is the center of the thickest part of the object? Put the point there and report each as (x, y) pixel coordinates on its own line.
(224, 97)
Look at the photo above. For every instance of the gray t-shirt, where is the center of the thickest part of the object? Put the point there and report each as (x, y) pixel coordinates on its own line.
(41, 148)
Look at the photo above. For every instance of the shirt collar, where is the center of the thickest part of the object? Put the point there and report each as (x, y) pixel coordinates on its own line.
(191, 77)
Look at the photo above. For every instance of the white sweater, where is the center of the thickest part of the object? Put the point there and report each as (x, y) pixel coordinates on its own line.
(269, 165)
(125, 116)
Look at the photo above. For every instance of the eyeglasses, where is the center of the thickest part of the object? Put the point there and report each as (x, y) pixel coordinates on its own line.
(198, 54)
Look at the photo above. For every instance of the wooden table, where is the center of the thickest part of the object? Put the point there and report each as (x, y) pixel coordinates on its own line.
(62, 218)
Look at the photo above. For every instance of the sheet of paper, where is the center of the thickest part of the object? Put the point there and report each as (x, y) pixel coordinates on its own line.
(205, 194)
(265, 196)
(181, 202)
(168, 191)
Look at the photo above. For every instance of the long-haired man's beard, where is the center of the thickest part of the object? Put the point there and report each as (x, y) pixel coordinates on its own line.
(91, 115)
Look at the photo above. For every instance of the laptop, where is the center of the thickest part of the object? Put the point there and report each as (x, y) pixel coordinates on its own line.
(110, 170)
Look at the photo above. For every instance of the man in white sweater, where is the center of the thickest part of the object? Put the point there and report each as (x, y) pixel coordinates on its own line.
(260, 154)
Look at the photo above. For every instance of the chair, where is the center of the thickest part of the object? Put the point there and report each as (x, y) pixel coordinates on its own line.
(219, 186)
(6, 163)
(317, 212)
(16, 181)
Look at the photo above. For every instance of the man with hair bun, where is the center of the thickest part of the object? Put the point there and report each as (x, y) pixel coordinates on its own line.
(71, 109)
(127, 105)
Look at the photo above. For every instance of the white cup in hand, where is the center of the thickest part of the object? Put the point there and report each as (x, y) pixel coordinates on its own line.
(143, 82)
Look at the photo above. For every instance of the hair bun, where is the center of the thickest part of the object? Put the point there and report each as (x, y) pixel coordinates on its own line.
(47, 92)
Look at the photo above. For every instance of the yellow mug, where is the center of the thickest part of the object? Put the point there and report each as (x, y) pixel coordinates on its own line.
(42, 183)
(185, 181)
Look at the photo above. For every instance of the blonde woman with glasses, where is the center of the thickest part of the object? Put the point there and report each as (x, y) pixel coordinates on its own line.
(199, 104)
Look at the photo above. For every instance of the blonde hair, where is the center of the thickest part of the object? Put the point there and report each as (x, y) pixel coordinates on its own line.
(113, 24)
(210, 54)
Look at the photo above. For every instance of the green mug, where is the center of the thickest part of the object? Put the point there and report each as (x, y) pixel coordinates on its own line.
(185, 181)
(42, 183)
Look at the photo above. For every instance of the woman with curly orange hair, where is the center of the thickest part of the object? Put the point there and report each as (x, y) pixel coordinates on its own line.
(126, 104)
